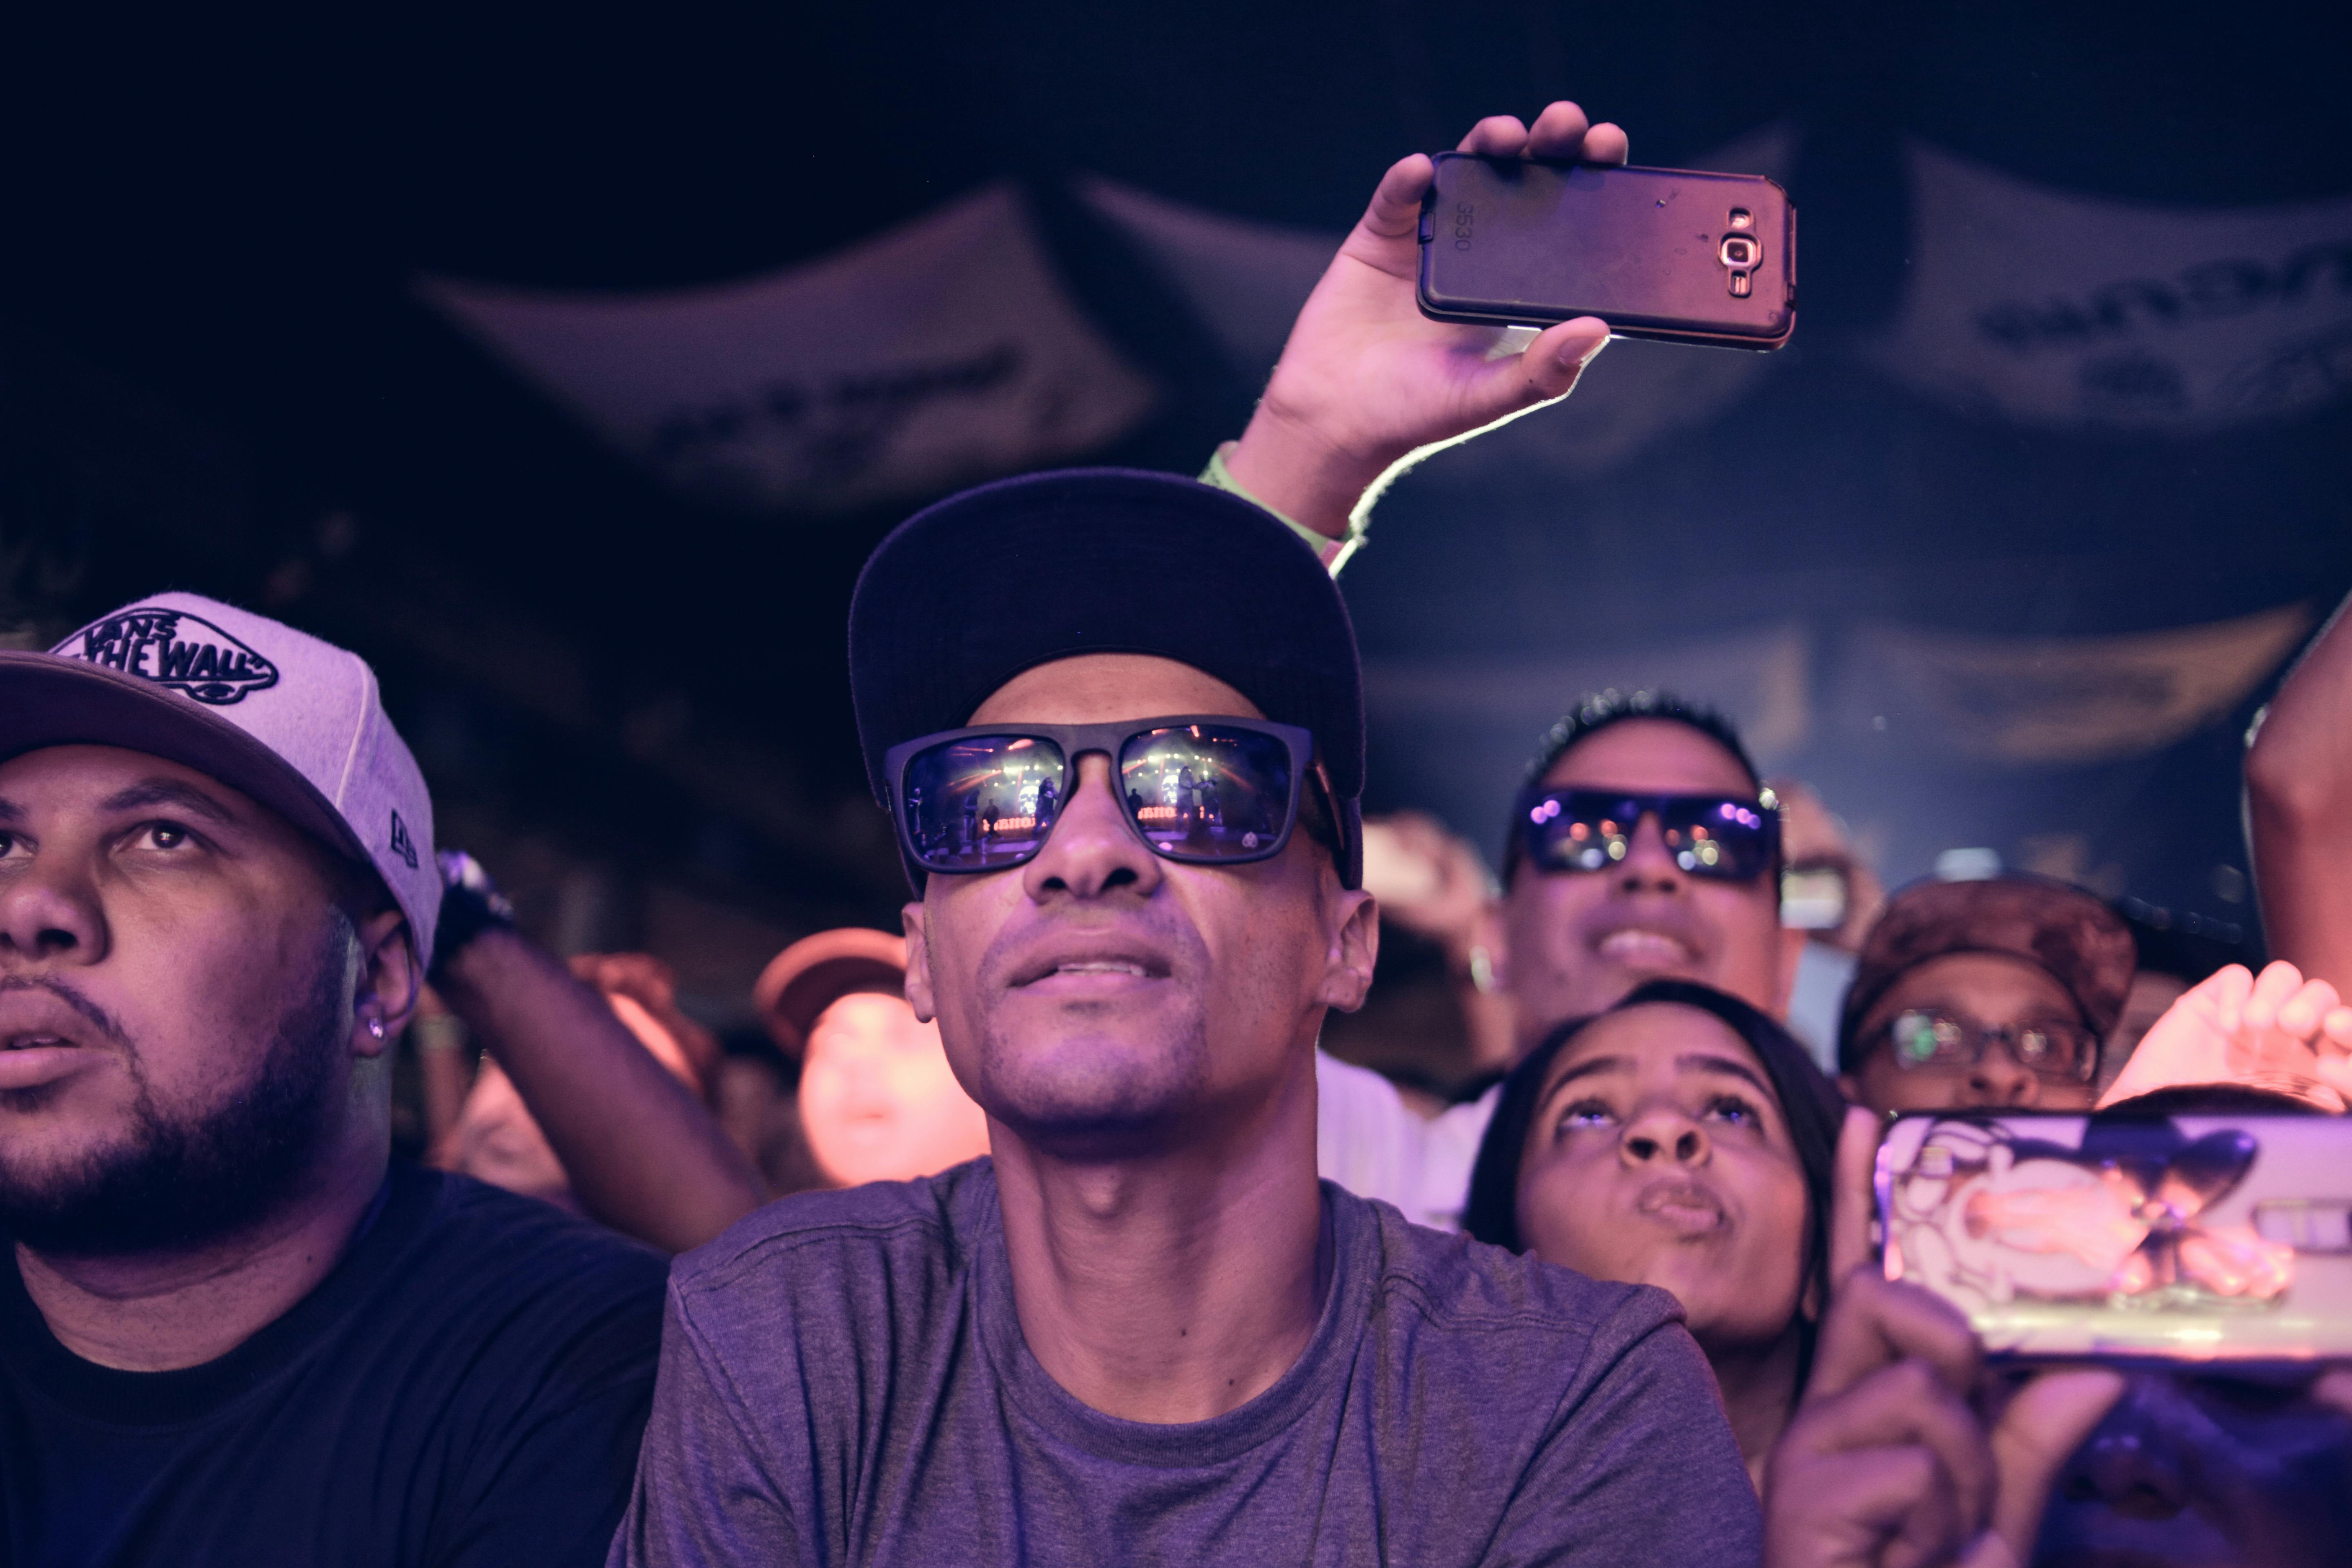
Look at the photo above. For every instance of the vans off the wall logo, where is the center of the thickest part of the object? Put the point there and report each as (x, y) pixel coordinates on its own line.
(176, 649)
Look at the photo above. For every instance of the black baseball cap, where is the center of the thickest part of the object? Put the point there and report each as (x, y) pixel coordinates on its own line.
(966, 594)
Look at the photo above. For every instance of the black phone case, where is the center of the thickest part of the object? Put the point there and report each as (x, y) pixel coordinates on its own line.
(1512, 241)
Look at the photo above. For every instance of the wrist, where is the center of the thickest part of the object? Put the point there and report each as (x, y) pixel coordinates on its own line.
(470, 971)
(1298, 473)
(473, 912)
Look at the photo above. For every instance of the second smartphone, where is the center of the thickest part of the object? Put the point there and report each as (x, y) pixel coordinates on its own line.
(1676, 255)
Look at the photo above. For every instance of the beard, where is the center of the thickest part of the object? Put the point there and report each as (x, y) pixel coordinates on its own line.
(177, 1182)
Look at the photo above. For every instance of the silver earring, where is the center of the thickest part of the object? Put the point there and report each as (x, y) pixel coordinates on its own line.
(375, 1028)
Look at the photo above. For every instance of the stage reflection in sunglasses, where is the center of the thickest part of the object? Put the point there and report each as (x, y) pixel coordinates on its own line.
(1194, 790)
(1200, 794)
(1706, 835)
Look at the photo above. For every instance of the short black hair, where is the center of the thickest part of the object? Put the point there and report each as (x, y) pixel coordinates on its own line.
(1810, 1105)
(1600, 710)
(2209, 1099)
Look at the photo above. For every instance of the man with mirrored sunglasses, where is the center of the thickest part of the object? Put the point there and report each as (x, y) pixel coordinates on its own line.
(1142, 1331)
(1606, 883)
(1993, 993)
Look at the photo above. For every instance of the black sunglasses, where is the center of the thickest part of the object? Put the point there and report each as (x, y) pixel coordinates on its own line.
(1726, 837)
(1203, 789)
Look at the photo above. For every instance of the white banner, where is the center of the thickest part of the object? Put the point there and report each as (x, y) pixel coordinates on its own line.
(1246, 280)
(2084, 312)
(1761, 678)
(940, 353)
(2060, 701)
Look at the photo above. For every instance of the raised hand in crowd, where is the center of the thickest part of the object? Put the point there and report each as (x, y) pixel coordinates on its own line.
(2277, 1031)
(1367, 384)
(641, 1151)
(2299, 809)
(1905, 1450)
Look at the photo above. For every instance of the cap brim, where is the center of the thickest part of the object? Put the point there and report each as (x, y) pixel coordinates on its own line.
(807, 977)
(52, 701)
(968, 594)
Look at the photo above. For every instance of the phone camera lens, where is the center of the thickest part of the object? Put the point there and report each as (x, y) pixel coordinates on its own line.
(1738, 250)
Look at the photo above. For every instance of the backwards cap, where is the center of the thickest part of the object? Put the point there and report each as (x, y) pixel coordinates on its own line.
(295, 722)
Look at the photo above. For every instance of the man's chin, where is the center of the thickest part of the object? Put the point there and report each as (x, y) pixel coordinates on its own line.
(1084, 1086)
(1604, 980)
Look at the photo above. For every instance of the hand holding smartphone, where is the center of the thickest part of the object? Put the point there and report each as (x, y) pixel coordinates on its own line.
(1673, 255)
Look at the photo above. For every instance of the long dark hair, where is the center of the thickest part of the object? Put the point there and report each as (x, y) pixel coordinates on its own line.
(1810, 1105)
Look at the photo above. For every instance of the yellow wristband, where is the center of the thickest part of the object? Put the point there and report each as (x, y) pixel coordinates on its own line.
(1333, 553)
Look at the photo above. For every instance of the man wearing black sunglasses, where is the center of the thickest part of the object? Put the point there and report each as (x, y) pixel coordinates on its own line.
(1142, 1331)
(1643, 845)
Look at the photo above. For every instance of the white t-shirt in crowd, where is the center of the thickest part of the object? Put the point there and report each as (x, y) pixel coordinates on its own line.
(1372, 1142)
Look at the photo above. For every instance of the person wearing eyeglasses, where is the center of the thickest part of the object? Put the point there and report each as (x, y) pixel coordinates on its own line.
(1994, 993)
(1141, 1331)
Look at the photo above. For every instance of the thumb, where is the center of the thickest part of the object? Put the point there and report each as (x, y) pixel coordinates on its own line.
(1852, 1194)
(1549, 366)
(1508, 384)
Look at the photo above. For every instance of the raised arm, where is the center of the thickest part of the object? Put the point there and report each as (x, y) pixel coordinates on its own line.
(1367, 385)
(2299, 809)
(643, 1154)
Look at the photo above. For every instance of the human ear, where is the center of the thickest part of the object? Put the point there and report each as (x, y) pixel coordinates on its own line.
(918, 963)
(1354, 949)
(390, 982)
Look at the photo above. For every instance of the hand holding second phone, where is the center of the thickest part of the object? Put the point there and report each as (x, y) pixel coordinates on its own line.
(1366, 380)
(2276, 1030)
(1904, 1450)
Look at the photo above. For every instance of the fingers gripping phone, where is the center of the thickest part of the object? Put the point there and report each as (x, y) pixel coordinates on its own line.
(1675, 255)
(2187, 1238)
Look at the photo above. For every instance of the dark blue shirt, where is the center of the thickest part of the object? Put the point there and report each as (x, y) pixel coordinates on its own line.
(466, 1387)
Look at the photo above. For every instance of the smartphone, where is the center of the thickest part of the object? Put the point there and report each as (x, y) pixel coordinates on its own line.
(2187, 1239)
(1675, 255)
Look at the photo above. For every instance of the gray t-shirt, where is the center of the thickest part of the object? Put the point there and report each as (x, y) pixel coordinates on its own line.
(844, 1380)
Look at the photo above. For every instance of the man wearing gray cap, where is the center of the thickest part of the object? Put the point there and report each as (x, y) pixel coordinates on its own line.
(1117, 721)
(230, 1331)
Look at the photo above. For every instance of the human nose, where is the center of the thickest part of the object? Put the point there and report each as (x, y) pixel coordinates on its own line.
(1663, 1136)
(1648, 863)
(2133, 1462)
(1093, 848)
(50, 911)
(2000, 1078)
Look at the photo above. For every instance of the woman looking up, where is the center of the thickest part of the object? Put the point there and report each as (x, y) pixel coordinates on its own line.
(1682, 1139)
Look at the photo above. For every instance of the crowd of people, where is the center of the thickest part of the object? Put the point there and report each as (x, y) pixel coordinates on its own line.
(1084, 1250)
